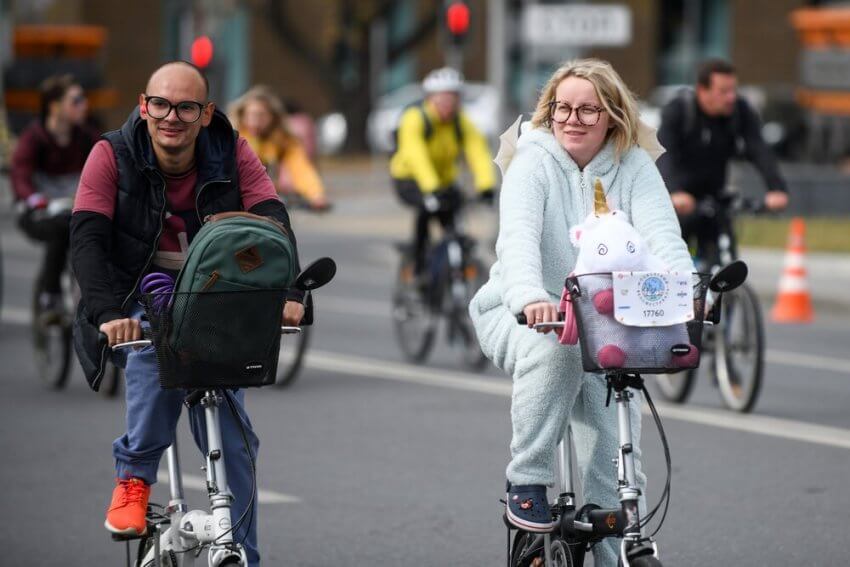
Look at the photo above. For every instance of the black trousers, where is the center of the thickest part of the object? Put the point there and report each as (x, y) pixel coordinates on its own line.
(410, 195)
(55, 233)
(702, 231)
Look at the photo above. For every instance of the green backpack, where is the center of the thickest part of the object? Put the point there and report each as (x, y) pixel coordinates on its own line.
(234, 251)
(238, 251)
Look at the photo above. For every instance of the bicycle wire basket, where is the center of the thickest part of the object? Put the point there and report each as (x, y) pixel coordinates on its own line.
(650, 350)
(228, 339)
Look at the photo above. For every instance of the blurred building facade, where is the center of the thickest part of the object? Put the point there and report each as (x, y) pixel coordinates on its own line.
(325, 54)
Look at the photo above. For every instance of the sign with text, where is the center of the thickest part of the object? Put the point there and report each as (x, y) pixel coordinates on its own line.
(653, 299)
(825, 68)
(578, 25)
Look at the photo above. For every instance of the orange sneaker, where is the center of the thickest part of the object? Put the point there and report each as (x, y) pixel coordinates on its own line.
(126, 514)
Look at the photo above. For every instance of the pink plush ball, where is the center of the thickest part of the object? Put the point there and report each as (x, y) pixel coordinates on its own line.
(604, 302)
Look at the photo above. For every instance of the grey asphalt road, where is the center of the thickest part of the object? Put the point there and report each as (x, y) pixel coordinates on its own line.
(367, 460)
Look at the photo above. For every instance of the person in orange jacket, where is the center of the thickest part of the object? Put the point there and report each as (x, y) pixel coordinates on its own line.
(260, 117)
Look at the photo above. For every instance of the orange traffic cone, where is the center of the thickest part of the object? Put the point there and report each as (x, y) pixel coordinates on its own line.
(793, 302)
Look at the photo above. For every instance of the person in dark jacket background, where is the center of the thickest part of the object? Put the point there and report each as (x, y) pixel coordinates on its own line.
(142, 195)
(46, 165)
(702, 129)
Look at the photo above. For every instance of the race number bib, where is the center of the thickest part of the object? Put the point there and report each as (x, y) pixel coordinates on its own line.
(653, 299)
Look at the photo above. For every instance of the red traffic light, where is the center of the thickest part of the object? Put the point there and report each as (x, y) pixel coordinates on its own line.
(457, 18)
(202, 51)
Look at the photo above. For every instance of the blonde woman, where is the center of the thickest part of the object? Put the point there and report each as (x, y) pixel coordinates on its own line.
(260, 118)
(584, 128)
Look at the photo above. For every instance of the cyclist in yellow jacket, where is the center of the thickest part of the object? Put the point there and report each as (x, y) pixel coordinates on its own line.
(424, 167)
(261, 119)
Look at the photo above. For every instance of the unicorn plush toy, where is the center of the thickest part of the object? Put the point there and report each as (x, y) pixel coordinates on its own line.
(607, 243)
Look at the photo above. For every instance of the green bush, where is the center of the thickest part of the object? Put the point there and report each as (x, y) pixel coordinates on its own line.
(823, 234)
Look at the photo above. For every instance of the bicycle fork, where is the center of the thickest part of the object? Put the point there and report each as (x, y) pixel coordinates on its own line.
(627, 487)
(198, 528)
(213, 529)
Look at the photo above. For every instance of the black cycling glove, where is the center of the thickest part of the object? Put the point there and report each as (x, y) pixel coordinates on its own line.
(487, 196)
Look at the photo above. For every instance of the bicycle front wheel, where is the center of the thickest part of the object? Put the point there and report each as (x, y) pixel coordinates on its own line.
(739, 349)
(676, 387)
(413, 317)
(294, 347)
(51, 339)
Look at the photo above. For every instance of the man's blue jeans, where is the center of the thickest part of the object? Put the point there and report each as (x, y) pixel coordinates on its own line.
(152, 415)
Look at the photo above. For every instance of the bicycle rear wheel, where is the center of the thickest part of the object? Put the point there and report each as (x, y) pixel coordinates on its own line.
(51, 338)
(413, 317)
(739, 349)
(292, 351)
(110, 385)
(462, 335)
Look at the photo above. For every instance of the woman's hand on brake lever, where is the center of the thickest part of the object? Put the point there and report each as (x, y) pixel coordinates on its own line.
(541, 312)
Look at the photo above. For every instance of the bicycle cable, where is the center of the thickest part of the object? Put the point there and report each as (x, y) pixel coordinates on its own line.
(665, 494)
(250, 507)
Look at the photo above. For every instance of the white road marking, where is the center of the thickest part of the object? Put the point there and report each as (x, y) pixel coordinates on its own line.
(451, 379)
(263, 496)
(15, 315)
(352, 306)
(808, 361)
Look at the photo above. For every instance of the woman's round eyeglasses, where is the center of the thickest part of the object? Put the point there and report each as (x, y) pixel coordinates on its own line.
(586, 114)
(188, 111)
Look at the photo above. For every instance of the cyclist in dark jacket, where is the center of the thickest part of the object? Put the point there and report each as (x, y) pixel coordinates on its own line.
(142, 195)
(702, 130)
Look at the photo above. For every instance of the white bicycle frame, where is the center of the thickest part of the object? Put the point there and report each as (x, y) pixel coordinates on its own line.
(189, 532)
(627, 487)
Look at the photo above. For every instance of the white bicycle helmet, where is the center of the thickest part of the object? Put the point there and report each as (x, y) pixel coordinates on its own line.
(443, 80)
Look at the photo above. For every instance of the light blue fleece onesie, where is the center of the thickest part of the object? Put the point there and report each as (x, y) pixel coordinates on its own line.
(544, 193)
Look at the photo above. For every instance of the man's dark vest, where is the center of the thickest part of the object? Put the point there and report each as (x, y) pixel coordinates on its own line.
(140, 209)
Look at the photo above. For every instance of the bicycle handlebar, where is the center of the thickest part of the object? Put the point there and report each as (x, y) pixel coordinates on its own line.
(710, 205)
(521, 319)
(284, 330)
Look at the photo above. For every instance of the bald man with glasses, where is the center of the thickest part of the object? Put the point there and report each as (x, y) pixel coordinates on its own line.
(143, 192)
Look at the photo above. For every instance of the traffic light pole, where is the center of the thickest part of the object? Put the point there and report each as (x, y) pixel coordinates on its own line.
(454, 57)
(457, 17)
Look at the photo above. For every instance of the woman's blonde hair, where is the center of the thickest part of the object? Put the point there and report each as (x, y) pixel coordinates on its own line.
(278, 131)
(618, 101)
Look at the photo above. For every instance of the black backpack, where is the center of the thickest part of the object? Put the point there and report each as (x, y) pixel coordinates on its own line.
(688, 98)
(429, 126)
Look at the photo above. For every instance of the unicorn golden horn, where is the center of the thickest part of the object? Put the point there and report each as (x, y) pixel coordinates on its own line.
(600, 204)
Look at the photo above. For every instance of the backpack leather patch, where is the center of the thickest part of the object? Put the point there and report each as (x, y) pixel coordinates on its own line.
(249, 259)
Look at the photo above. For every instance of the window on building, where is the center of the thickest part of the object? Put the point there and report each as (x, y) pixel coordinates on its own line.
(690, 31)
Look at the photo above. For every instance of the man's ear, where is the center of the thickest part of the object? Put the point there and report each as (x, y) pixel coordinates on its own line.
(143, 111)
(207, 114)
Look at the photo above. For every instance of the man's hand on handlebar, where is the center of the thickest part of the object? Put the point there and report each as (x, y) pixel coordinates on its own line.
(122, 331)
(776, 200)
(431, 203)
(541, 312)
(683, 202)
(293, 312)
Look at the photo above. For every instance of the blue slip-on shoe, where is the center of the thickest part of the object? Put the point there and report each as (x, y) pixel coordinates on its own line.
(527, 508)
